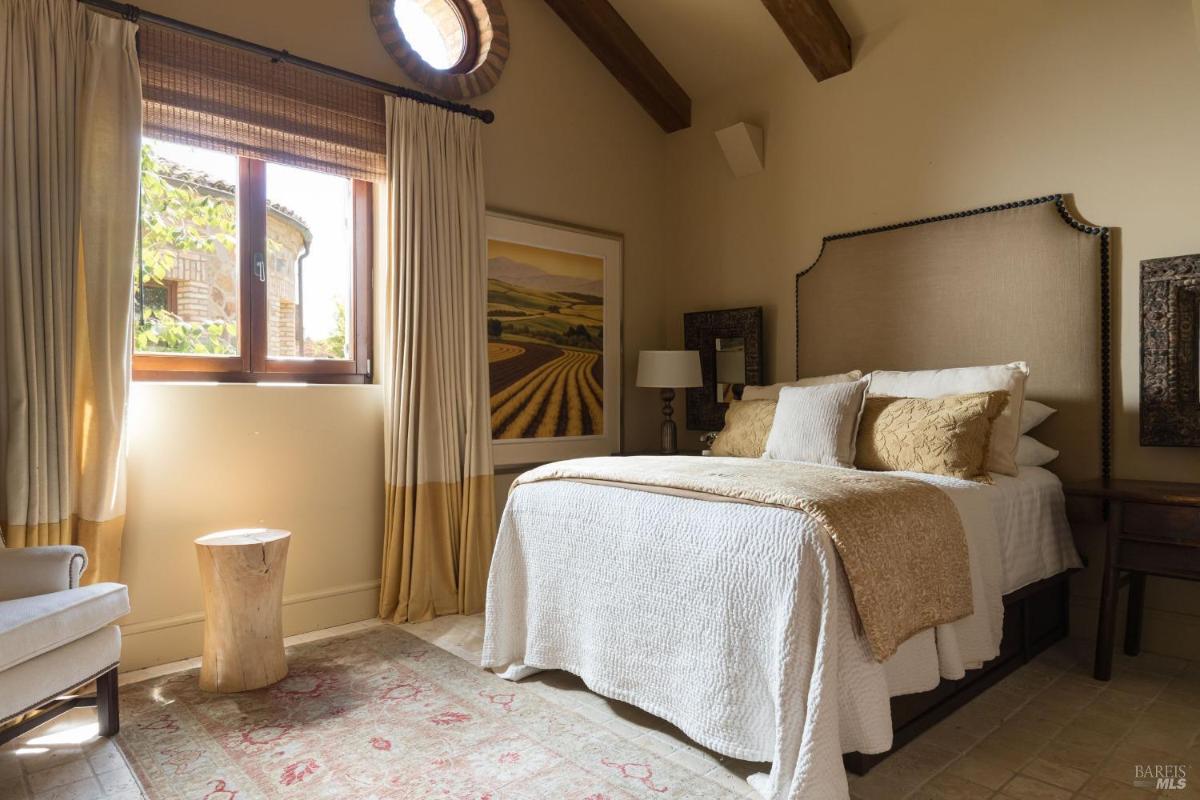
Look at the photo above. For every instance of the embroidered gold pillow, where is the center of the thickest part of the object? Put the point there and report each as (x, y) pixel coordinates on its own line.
(747, 426)
(939, 435)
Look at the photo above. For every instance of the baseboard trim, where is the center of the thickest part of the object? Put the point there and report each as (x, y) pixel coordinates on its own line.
(1165, 632)
(162, 623)
(169, 639)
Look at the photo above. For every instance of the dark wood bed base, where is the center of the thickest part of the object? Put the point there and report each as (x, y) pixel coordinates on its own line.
(1035, 617)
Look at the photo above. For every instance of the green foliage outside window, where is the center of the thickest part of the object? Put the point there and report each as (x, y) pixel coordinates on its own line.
(176, 217)
(333, 345)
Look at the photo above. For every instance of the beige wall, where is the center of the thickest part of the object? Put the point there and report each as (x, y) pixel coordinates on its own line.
(210, 457)
(568, 144)
(960, 105)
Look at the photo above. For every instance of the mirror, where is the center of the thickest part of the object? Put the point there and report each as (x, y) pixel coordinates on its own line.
(730, 367)
(730, 342)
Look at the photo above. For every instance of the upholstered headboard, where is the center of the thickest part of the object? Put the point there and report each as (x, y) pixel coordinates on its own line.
(1022, 281)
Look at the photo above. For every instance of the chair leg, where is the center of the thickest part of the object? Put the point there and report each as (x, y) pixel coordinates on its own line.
(107, 703)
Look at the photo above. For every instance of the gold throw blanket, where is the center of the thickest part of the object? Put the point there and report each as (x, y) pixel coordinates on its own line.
(901, 541)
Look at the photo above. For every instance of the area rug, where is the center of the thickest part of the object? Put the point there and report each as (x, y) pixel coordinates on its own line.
(382, 714)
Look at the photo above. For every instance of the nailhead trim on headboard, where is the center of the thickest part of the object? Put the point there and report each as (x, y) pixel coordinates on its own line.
(1105, 295)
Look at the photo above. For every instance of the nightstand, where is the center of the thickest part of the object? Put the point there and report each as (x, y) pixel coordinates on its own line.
(1153, 529)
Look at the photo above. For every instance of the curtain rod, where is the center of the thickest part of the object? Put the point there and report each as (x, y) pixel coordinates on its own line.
(134, 14)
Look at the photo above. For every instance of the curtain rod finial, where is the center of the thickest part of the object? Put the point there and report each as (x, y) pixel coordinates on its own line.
(488, 116)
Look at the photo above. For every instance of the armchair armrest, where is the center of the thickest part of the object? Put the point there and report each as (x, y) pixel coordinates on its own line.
(29, 571)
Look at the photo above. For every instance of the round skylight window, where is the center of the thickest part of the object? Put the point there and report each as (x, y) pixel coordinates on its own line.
(455, 48)
(435, 29)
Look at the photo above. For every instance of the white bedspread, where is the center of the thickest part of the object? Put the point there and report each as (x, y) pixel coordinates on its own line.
(732, 621)
(1031, 517)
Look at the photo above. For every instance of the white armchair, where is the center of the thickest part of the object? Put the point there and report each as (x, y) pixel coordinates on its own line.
(56, 636)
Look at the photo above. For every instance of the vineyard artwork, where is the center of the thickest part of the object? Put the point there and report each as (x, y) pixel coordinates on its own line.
(545, 342)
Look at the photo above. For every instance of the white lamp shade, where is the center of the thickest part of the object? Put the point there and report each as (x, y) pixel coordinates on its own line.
(669, 369)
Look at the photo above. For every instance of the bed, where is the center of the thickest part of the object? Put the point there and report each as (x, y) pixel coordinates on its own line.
(735, 621)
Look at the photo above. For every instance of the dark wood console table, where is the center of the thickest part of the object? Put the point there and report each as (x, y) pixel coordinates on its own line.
(1153, 529)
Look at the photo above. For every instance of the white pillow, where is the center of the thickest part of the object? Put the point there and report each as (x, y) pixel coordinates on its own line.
(1002, 449)
(817, 424)
(772, 392)
(1032, 453)
(1033, 414)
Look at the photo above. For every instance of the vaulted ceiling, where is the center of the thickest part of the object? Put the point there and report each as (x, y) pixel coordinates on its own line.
(709, 45)
(691, 49)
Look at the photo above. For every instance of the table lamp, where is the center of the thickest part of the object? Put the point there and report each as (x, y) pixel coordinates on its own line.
(669, 370)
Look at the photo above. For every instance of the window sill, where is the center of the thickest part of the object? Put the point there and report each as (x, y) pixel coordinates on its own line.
(248, 378)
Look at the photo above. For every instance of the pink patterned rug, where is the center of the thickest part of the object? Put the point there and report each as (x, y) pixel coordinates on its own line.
(382, 714)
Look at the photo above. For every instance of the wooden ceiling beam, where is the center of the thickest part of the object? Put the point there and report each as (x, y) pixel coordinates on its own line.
(813, 28)
(609, 37)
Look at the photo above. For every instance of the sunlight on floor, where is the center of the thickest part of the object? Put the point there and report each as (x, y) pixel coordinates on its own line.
(74, 735)
(66, 759)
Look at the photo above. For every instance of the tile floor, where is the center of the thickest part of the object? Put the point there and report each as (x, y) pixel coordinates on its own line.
(1047, 732)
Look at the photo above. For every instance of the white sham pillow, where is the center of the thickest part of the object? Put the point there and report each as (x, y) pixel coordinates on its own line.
(817, 424)
(1032, 453)
(1002, 449)
(772, 392)
(1033, 414)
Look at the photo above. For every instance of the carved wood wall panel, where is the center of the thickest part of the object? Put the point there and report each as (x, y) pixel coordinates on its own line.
(1170, 407)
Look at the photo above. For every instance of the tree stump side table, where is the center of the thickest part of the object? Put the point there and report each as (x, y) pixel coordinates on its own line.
(241, 572)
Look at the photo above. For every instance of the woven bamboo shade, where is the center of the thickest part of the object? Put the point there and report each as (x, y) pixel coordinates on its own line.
(211, 95)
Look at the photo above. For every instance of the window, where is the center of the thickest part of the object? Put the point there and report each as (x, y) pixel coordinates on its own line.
(255, 241)
(249, 270)
(435, 29)
(161, 296)
(454, 48)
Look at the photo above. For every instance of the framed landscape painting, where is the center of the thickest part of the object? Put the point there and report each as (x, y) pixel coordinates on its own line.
(554, 340)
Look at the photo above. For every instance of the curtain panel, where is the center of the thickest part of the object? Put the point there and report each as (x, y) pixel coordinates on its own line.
(439, 518)
(69, 145)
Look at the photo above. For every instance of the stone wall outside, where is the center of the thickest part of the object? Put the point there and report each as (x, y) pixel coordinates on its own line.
(206, 284)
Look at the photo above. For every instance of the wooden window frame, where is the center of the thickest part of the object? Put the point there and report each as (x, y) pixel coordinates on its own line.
(172, 288)
(253, 365)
